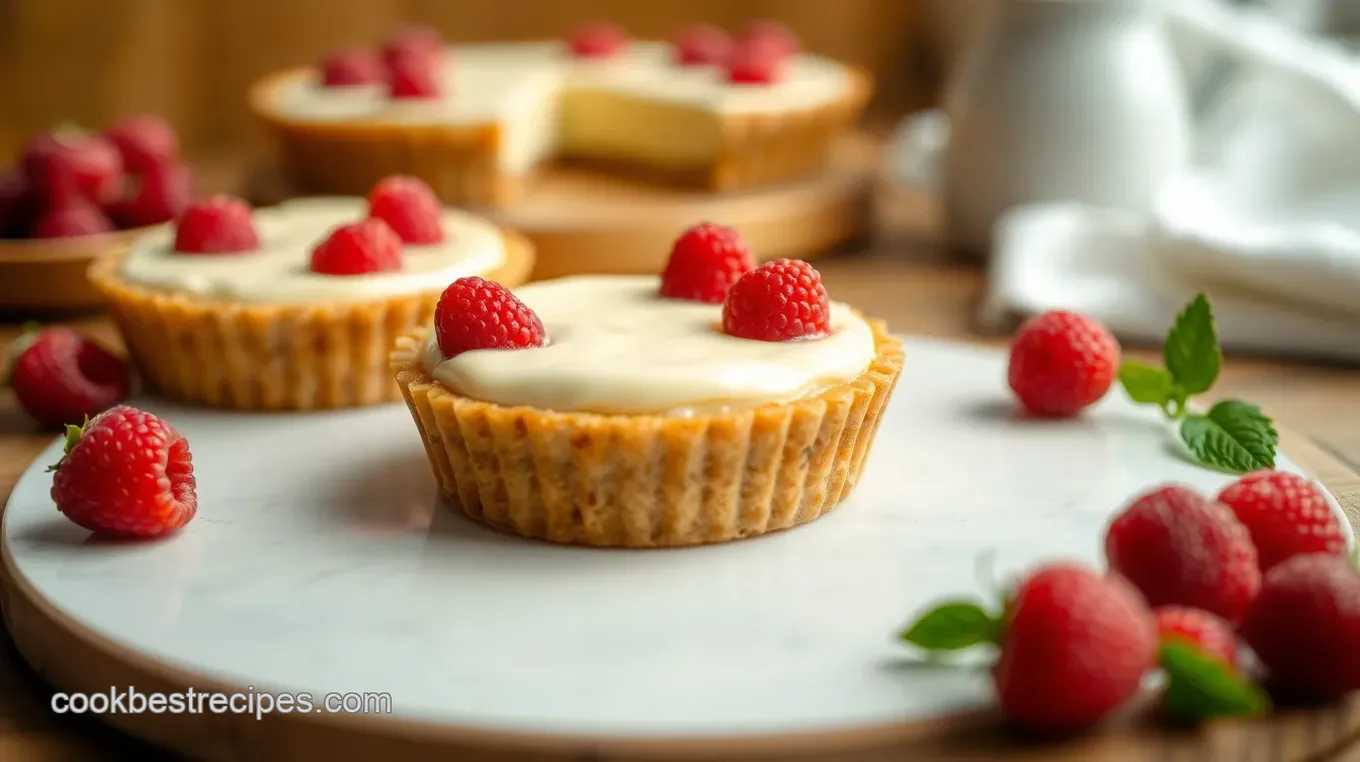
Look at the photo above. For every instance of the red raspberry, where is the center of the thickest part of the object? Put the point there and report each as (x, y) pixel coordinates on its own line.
(1210, 634)
(597, 39)
(409, 207)
(216, 225)
(412, 74)
(480, 314)
(422, 41)
(1179, 547)
(367, 246)
(1061, 363)
(772, 35)
(1075, 648)
(158, 195)
(753, 65)
(702, 44)
(144, 141)
(76, 216)
(705, 261)
(1305, 627)
(778, 301)
(1286, 514)
(61, 377)
(126, 473)
(69, 162)
(352, 66)
(17, 205)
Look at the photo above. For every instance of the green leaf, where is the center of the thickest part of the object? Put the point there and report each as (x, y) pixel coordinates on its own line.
(952, 626)
(1146, 384)
(1191, 350)
(1233, 436)
(73, 434)
(1199, 686)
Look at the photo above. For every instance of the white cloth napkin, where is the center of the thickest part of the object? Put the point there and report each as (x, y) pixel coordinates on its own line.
(1268, 223)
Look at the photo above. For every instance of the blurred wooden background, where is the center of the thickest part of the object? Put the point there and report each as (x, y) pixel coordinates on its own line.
(90, 61)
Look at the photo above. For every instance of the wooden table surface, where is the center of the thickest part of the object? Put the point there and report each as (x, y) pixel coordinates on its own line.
(898, 275)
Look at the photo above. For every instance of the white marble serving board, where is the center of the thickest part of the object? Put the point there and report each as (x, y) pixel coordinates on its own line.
(322, 561)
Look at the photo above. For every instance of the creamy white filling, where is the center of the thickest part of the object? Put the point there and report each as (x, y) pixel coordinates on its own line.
(278, 271)
(616, 346)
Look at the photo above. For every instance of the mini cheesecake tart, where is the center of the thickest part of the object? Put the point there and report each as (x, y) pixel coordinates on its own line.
(640, 422)
(297, 306)
(497, 111)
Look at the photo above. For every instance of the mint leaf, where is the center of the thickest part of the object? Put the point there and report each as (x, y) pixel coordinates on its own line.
(1233, 436)
(1191, 350)
(952, 626)
(1146, 384)
(1199, 687)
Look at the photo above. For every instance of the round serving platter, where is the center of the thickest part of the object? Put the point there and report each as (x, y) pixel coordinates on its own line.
(323, 562)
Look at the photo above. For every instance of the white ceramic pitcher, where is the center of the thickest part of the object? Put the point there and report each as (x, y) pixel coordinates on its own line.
(1062, 100)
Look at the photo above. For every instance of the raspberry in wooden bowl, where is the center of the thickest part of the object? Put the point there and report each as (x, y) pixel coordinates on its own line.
(74, 197)
(295, 307)
(712, 403)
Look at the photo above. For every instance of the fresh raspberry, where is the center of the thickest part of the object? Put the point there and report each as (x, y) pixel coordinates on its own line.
(753, 65)
(409, 207)
(1061, 363)
(1210, 634)
(144, 142)
(70, 162)
(352, 66)
(60, 377)
(1305, 627)
(705, 261)
(76, 216)
(17, 205)
(367, 246)
(480, 314)
(1074, 648)
(216, 225)
(126, 473)
(1181, 548)
(597, 39)
(778, 301)
(412, 74)
(702, 44)
(158, 195)
(772, 35)
(1286, 514)
(423, 41)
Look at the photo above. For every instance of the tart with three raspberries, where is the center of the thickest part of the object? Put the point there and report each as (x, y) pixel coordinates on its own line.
(717, 401)
(295, 307)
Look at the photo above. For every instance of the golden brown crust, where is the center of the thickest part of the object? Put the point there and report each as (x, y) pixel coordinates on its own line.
(255, 356)
(459, 161)
(648, 481)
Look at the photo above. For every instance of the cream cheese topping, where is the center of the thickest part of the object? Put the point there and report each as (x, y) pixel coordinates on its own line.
(277, 272)
(616, 346)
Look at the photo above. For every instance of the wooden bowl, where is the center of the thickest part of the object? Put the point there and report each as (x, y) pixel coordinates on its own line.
(48, 275)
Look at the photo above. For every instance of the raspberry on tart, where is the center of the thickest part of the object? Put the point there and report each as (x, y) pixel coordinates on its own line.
(216, 225)
(597, 39)
(475, 313)
(360, 248)
(412, 74)
(59, 376)
(772, 35)
(67, 162)
(781, 300)
(418, 39)
(705, 261)
(409, 207)
(158, 195)
(348, 67)
(753, 64)
(75, 216)
(144, 141)
(702, 44)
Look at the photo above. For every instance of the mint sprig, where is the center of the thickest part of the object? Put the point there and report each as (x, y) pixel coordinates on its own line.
(1200, 687)
(953, 626)
(1233, 436)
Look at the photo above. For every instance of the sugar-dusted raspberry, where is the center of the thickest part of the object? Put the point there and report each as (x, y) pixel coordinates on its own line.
(158, 195)
(750, 64)
(772, 35)
(597, 39)
(68, 162)
(360, 248)
(216, 225)
(353, 66)
(474, 313)
(76, 216)
(412, 75)
(704, 263)
(409, 207)
(144, 141)
(778, 301)
(702, 44)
